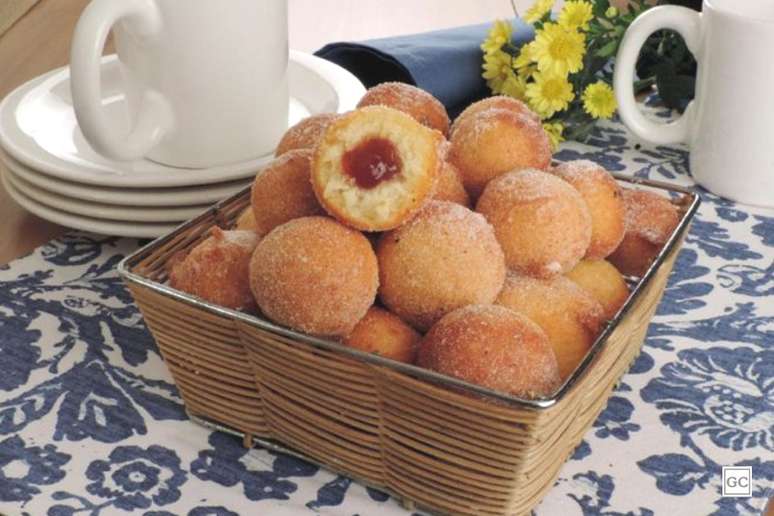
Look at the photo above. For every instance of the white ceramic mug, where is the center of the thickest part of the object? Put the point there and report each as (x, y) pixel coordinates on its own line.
(205, 80)
(728, 126)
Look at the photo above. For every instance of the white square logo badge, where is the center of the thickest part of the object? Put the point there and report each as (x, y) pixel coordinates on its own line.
(737, 481)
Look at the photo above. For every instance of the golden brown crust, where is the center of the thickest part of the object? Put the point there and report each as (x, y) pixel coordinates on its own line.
(415, 102)
(282, 192)
(494, 347)
(450, 187)
(305, 134)
(499, 102)
(603, 281)
(570, 317)
(495, 141)
(604, 199)
(541, 222)
(314, 275)
(385, 334)
(216, 270)
(445, 258)
(246, 221)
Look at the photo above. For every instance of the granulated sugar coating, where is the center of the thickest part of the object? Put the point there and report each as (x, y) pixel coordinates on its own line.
(499, 102)
(494, 347)
(603, 281)
(282, 191)
(449, 187)
(495, 141)
(570, 316)
(445, 258)
(305, 134)
(246, 221)
(385, 334)
(216, 270)
(542, 223)
(314, 275)
(415, 102)
(650, 220)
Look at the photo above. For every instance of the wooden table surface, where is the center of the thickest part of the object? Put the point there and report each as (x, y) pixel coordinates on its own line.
(40, 41)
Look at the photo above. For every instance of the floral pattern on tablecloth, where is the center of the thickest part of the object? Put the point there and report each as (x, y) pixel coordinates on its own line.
(91, 423)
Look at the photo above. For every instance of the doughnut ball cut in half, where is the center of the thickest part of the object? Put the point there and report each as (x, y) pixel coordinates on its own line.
(216, 270)
(445, 258)
(450, 187)
(415, 102)
(603, 281)
(383, 333)
(305, 134)
(375, 167)
(314, 275)
(494, 347)
(282, 191)
(542, 223)
(569, 316)
(246, 221)
(495, 141)
(604, 199)
(650, 220)
(498, 102)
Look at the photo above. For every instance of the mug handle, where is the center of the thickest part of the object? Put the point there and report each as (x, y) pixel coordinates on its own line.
(687, 23)
(154, 118)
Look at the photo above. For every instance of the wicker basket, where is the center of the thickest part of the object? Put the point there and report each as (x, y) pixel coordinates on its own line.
(430, 440)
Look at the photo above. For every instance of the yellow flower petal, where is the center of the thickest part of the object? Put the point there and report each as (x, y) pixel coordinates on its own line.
(576, 14)
(539, 9)
(549, 93)
(558, 50)
(554, 131)
(599, 100)
(499, 35)
(497, 68)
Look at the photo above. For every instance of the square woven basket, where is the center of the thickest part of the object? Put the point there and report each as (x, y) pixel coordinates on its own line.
(431, 441)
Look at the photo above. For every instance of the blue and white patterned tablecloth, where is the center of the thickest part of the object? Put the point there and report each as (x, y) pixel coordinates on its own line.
(90, 422)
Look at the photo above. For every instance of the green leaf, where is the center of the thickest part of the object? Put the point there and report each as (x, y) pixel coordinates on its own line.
(608, 50)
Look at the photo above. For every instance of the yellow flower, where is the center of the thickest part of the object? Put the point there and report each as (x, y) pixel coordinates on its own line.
(611, 12)
(515, 87)
(524, 58)
(599, 100)
(558, 50)
(576, 14)
(539, 9)
(554, 131)
(549, 93)
(497, 68)
(499, 35)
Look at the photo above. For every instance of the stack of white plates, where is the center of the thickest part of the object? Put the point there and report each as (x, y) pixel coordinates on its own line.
(50, 170)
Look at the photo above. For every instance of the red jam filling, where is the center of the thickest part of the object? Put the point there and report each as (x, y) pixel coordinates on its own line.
(372, 162)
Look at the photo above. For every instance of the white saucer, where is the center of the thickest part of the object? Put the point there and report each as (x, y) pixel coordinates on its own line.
(105, 227)
(38, 126)
(181, 196)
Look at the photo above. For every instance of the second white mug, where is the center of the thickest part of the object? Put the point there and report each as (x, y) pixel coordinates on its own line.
(205, 81)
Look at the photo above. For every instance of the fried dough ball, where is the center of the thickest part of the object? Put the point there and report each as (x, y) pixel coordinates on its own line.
(499, 102)
(246, 221)
(445, 258)
(650, 220)
(282, 191)
(604, 199)
(495, 141)
(569, 316)
(314, 275)
(450, 186)
(385, 334)
(494, 347)
(305, 134)
(603, 281)
(415, 102)
(216, 270)
(375, 167)
(541, 221)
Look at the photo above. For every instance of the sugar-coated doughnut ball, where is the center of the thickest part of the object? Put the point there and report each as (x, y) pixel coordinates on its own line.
(445, 258)
(542, 223)
(604, 199)
(314, 275)
(495, 141)
(385, 334)
(282, 191)
(216, 270)
(246, 220)
(497, 101)
(375, 167)
(450, 186)
(494, 347)
(603, 281)
(305, 134)
(415, 102)
(571, 318)
(650, 220)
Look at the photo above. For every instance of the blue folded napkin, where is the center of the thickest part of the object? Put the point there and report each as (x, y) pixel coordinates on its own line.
(447, 63)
